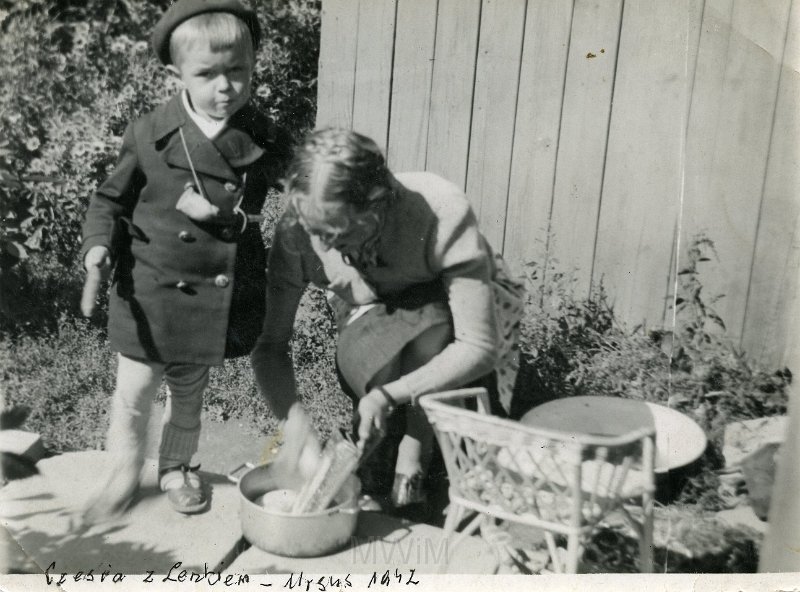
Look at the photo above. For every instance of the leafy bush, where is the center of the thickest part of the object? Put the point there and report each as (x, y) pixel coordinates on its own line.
(77, 79)
(557, 328)
(285, 80)
(80, 72)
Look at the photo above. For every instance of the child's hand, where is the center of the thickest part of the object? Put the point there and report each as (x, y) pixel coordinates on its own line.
(98, 267)
(195, 206)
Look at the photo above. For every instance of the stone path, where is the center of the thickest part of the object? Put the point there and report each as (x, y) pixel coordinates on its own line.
(39, 513)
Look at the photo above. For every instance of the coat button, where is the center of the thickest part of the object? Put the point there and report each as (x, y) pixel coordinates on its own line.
(227, 233)
(231, 186)
(181, 285)
(185, 236)
(221, 281)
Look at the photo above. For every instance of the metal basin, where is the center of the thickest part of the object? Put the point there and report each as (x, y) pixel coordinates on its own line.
(274, 530)
(679, 440)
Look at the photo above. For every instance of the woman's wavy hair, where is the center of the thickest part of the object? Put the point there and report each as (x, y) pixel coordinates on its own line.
(335, 173)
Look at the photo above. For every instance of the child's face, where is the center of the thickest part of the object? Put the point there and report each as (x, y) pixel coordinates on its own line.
(218, 82)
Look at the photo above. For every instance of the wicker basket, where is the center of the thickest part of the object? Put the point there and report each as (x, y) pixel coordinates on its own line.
(563, 483)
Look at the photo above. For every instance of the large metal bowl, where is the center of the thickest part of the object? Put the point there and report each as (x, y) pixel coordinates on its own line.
(294, 535)
(679, 440)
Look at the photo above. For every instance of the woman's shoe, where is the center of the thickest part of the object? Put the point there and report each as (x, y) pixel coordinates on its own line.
(184, 489)
(408, 489)
(371, 503)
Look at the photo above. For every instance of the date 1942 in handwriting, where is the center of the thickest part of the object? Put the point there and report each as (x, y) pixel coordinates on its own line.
(388, 578)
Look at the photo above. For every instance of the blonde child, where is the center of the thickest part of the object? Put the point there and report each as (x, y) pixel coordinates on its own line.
(177, 222)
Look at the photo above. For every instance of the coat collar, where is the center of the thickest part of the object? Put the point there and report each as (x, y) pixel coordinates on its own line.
(234, 147)
(240, 142)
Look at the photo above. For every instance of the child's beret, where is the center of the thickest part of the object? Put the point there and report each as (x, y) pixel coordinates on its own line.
(185, 9)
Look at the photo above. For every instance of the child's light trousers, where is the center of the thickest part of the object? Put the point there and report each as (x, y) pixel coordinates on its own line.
(137, 385)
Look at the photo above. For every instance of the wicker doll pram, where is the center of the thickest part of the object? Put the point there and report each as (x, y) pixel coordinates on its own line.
(561, 482)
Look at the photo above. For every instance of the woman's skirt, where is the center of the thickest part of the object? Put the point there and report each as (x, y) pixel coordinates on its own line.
(372, 336)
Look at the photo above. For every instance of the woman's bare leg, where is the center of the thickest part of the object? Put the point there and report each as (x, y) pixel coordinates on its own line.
(416, 448)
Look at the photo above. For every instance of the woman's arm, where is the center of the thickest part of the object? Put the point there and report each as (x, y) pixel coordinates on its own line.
(471, 355)
(272, 360)
(272, 357)
(459, 254)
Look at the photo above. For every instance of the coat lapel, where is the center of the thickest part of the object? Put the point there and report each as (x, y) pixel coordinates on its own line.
(205, 156)
(236, 143)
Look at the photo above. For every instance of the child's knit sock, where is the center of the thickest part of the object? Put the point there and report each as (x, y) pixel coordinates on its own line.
(178, 446)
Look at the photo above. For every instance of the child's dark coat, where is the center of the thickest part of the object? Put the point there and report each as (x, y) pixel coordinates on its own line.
(185, 291)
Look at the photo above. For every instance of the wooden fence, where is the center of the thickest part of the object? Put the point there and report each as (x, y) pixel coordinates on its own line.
(601, 134)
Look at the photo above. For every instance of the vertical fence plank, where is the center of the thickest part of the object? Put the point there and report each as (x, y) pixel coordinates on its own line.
(777, 252)
(788, 305)
(642, 185)
(724, 186)
(696, 8)
(411, 83)
(373, 81)
(789, 355)
(584, 132)
(533, 160)
(451, 89)
(337, 63)
(494, 104)
(715, 32)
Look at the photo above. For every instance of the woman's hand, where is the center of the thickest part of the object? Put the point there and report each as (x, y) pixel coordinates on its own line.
(299, 456)
(373, 409)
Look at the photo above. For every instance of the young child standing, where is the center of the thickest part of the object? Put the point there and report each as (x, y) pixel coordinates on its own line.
(177, 221)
